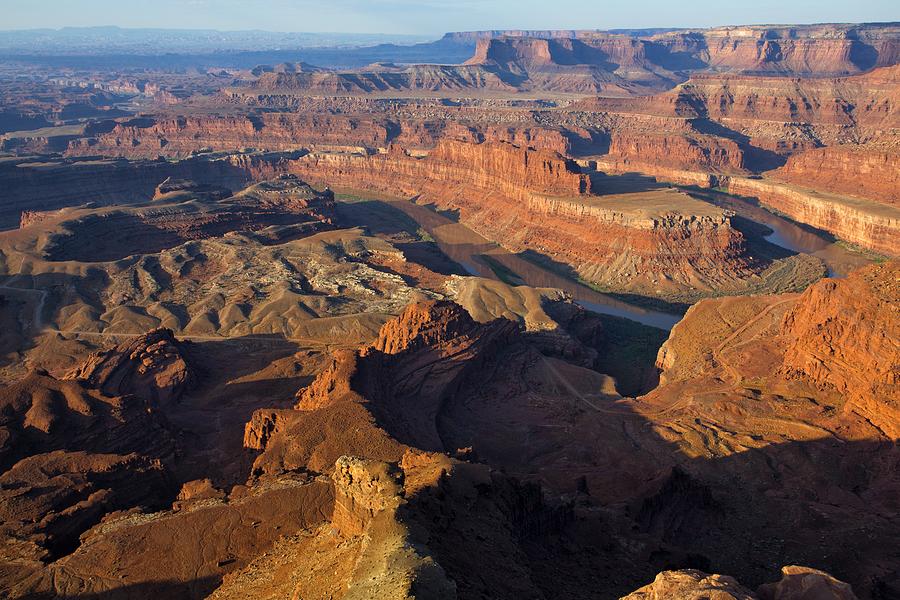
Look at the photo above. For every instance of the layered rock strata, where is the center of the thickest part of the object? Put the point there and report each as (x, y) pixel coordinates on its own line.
(513, 195)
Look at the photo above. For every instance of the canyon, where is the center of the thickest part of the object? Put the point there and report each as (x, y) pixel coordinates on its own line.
(513, 314)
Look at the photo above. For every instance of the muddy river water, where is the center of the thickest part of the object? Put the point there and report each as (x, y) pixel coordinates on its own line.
(794, 237)
(467, 248)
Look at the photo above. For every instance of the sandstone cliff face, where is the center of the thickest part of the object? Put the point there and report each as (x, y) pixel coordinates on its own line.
(844, 334)
(619, 61)
(634, 152)
(512, 168)
(870, 225)
(182, 136)
(811, 49)
(374, 126)
(854, 170)
(613, 65)
(762, 116)
(532, 200)
(519, 173)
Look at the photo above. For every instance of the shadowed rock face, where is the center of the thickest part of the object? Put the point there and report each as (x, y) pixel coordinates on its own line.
(797, 583)
(394, 389)
(152, 367)
(71, 455)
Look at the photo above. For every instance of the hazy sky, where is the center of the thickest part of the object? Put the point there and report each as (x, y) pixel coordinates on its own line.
(433, 16)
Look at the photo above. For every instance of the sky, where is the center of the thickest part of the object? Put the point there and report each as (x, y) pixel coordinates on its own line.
(433, 16)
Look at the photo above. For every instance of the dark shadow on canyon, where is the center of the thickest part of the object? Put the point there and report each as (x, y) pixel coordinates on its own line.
(755, 158)
(161, 590)
(603, 184)
(823, 503)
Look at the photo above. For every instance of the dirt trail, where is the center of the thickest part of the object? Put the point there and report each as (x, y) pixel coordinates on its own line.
(622, 412)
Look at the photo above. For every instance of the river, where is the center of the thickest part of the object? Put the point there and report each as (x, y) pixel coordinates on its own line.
(467, 248)
(789, 235)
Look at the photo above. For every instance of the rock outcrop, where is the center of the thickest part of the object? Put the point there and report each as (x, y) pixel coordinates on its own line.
(797, 583)
(153, 367)
(803, 583)
(844, 335)
(691, 585)
(533, 201)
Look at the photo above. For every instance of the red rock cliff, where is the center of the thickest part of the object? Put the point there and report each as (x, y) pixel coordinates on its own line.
(844, 334)
(854, 170)
(536, 201)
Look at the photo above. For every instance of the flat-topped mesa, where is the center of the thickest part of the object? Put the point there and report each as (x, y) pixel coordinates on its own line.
(537, 201)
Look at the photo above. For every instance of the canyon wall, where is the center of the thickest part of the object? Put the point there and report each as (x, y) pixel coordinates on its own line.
(520, 173)
(765, 117)
(867, 224)
(620, 63)
(853, 170)
(844, 335)
(275, 131)
(537, 202)
(871, 225)
(182, 136)
(827, 146)
(636, 151)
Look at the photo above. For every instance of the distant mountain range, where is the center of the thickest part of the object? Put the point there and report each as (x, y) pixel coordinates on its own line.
(119, 40)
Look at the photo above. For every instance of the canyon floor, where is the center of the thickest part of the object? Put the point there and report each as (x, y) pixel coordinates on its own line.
(525, 315)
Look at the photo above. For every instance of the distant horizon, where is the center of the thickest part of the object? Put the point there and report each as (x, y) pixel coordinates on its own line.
(441, 33)
(431, 17)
